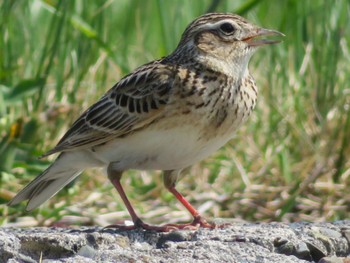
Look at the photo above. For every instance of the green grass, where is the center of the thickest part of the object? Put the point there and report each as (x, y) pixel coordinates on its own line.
(289, 162)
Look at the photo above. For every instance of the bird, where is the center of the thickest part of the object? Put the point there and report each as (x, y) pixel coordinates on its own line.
(165, 115)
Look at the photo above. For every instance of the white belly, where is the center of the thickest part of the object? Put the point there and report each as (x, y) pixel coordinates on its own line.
(167, 149)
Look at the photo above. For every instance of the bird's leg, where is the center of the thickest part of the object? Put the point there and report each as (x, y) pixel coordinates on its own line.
(115, 177)
(170, 178)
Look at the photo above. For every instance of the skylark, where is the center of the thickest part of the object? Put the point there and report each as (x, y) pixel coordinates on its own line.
(165, 115)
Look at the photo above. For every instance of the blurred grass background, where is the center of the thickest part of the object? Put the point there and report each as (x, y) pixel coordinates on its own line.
(289, 162)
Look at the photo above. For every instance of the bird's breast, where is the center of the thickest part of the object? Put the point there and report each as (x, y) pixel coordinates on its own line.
(192, 128)
(163, 146)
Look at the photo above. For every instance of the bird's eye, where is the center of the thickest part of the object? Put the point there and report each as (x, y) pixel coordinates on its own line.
(227, 28)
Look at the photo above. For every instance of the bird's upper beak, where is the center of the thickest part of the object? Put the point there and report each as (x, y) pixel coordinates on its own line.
(255, 39)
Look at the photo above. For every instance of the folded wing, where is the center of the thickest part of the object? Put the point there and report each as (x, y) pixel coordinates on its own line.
(134, 102)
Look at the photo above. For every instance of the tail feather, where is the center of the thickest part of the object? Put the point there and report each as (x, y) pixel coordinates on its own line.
(40, 190)
(53, 179)
(49, 189)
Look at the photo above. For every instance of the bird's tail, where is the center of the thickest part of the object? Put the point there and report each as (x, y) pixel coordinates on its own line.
(48, 183)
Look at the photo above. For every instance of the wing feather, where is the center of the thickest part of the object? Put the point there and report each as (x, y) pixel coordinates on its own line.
(135, 101)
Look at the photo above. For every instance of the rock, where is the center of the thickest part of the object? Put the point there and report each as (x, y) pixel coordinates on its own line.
(239, 242)
(334, 260)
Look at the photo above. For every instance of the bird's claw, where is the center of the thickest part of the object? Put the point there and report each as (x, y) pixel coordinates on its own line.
(197, 223)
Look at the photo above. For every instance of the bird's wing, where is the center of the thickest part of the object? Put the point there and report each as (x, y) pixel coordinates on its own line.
(134, 102)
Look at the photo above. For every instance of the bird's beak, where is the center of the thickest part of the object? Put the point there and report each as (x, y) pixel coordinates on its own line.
(255, 39)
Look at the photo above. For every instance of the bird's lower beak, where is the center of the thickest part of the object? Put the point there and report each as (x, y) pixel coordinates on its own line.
(256, 38)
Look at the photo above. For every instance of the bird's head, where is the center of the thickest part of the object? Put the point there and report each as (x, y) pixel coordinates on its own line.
(224, 40)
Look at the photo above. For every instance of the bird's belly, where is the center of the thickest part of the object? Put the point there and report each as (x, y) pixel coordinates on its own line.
(167, 149)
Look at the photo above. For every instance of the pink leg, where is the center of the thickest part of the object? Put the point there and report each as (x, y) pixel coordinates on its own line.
(170, 177)
(138, 223)
(169, 181)
(118, 186)
(198, 220)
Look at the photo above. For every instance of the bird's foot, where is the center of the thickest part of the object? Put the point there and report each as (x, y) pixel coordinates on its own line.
(139, 224)
(197, 223)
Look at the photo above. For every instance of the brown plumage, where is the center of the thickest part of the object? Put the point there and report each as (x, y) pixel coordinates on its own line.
(165, 115)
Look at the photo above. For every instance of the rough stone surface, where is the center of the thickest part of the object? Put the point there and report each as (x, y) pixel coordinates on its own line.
(243, 242)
